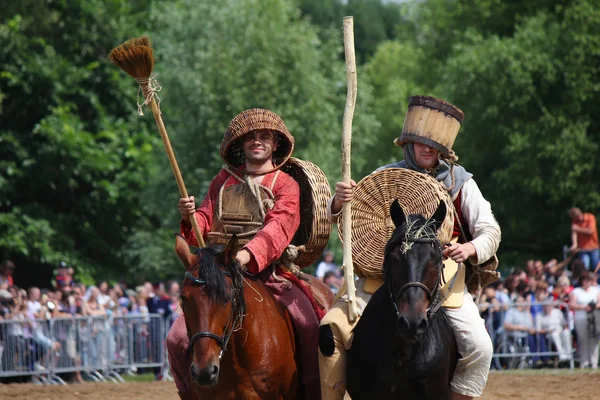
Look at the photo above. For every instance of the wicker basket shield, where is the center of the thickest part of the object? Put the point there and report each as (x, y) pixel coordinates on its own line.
(313, 233)
(372, 225)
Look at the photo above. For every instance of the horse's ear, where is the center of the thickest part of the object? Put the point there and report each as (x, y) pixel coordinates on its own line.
(397, 213)
(183, 251)
(439, 215)
(231, 250)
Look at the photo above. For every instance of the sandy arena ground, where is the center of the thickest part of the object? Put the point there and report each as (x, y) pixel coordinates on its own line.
(501, 386)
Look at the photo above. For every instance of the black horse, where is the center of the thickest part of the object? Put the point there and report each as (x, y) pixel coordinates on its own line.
(403, 345)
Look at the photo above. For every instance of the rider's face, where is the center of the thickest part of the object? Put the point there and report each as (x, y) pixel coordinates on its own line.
(425, 156)
(259, 146)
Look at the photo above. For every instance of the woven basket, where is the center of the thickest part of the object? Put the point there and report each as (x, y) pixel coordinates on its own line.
(314, 229)
(232, 147)
(433, 122)
(372, 226)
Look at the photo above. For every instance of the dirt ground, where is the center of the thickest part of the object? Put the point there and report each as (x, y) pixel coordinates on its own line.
(501, 386)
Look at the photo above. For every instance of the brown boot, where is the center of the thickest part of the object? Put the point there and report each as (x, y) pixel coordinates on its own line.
(189, 395)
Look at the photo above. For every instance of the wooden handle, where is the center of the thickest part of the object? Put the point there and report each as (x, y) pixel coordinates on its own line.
(346, 158)
(182, 191)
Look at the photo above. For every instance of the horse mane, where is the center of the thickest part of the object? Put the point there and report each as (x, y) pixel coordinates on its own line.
(215, 285)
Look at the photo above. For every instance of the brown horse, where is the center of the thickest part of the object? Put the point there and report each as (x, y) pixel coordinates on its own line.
(242, 343)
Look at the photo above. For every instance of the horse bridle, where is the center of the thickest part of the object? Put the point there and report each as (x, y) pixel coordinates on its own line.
(227, 330)
(431, 294)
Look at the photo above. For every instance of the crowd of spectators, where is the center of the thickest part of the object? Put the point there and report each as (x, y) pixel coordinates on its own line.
(548, 307)
(545, 305)
(32, 339)
(67, 297)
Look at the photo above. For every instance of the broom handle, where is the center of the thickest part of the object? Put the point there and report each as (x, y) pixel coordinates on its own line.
(182, 191)
(346, 155)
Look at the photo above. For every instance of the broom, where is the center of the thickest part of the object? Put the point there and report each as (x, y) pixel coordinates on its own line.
(135, 57)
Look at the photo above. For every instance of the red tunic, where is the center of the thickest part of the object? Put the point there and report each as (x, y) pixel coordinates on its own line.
(456, 231)
(280, 223)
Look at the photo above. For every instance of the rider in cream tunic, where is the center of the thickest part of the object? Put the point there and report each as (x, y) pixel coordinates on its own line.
(430, 128)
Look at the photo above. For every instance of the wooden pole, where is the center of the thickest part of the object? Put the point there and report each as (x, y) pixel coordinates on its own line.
(346, 157)
(173, 161)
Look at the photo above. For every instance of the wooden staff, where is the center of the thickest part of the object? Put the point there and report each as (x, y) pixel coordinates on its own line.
(136, 58)
(346, 156)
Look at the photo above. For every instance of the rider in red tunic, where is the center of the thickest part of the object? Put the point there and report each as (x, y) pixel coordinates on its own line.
(252, 198)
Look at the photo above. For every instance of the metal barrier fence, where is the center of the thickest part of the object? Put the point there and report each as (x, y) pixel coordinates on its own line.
(101, 348)
(530, 334)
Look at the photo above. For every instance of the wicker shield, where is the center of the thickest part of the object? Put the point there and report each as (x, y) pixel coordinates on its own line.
(372, 226)
(313, 233)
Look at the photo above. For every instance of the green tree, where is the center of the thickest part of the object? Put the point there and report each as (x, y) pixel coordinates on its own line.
(73, 156)
(530, 132)
(375, 21)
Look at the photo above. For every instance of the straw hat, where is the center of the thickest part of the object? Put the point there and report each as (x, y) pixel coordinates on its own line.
(430, 121)
(372, 225)
(232, 149)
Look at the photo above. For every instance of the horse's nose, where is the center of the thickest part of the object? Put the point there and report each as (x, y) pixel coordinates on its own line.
(422, 326)
(403, 324)
(205, 377)
(414, 326)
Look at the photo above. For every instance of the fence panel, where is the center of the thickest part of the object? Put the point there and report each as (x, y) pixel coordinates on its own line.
(99, 347)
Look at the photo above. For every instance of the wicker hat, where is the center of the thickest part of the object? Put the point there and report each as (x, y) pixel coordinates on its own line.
(372, 225)
(232, 149)
(430, 121)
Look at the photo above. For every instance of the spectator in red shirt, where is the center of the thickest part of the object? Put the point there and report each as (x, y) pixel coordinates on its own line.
(6, 271)
(64, 276)
(584, 237)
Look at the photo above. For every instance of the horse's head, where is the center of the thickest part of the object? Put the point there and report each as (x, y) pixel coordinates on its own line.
(213, 304)
(412, 268)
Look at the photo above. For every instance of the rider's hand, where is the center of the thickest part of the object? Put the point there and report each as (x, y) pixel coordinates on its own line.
(460, 252)
(186, 207)
(343, 194)
(243, 257)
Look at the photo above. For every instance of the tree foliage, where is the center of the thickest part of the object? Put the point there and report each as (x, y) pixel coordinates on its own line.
(72, 155)
(83, 178)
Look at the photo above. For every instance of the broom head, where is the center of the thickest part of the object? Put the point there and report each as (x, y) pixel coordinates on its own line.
(134, 57)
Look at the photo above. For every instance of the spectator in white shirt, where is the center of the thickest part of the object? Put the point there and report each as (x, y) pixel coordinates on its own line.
(551, 322)
(581, 301)
(327, 265)
(33, 304)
